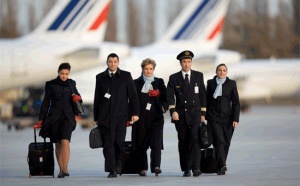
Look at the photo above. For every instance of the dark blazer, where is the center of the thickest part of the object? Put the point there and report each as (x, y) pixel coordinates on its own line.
(225, 108)
(190, 104)
(113, 111)
(158, 83)
(57, 101)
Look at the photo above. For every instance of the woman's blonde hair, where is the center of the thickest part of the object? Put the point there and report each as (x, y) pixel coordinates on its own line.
(148, 61)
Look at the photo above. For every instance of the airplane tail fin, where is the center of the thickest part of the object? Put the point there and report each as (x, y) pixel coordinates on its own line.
(200, 22)
(69, 20)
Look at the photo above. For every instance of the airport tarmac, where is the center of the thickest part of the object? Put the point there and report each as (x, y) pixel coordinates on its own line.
(265, 150)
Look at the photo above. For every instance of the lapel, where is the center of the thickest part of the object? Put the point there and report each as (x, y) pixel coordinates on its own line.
(192, 82)
(155, 84)
(140, 83)
(181, 82)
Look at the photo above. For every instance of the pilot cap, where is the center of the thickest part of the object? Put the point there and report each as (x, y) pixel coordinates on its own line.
(185, 54)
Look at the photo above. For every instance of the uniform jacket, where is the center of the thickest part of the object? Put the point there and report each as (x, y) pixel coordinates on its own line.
(57, 101)
(160, 101)
(158, 107)
(190, 104)
(113, 111)
(226, 107)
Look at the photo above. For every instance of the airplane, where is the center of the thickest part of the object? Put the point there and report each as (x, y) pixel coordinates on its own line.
(72, 31)
(252, 77)
(197, 28)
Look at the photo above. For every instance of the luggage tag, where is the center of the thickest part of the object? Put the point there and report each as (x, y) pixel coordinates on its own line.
(196, 89)
(148, 107)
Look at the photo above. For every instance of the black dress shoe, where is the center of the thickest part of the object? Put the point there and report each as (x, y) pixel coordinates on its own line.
(187, 173)
(143, 173)
(112, 174)
(119, 168)
(196, 172)
(66, 174)
(61, 175)
(221, 171)
(157, 171)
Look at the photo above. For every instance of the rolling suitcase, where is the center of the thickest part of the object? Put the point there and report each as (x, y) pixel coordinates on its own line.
(40, 158)
(130, 160)
(208, 161)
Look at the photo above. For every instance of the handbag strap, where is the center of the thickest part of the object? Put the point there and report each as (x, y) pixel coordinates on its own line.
(71, 86)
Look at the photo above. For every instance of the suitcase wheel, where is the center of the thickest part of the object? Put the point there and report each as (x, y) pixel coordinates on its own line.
(29, 175)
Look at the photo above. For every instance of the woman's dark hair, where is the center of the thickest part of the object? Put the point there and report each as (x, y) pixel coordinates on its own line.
(222, 64)
(64, 66)
(112, 55)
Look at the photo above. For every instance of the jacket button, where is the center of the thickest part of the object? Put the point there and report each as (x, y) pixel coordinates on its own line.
(185, 109)
(184, 101)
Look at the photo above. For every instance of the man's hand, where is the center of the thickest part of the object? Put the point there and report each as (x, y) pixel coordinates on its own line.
(134, 118)
(175, 116)
(154, 93)
(235, 124)
(202, 119)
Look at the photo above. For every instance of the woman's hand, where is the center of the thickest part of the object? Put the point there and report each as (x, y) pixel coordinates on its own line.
(38, 124)
(154, 93)
(76, 98)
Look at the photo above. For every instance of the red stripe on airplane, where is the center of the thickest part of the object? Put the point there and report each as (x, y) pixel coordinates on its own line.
(101, 18)
(216, 30)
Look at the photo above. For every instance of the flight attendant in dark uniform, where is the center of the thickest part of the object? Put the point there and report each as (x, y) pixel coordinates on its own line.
(57, 117)
(187, 111)
(148, 131)
(223, 111)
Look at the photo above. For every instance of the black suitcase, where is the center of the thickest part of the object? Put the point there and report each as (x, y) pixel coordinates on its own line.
(131, 162)
(208, 161)
(40, 158)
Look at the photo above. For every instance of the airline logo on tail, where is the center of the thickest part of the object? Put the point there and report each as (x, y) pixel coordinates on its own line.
(199, 21)
(74, 12)
(75, 20)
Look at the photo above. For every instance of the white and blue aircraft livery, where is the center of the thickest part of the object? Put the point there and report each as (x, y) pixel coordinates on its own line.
(72, 31)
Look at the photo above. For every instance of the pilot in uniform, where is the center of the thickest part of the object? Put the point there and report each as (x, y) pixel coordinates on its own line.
(186, 97)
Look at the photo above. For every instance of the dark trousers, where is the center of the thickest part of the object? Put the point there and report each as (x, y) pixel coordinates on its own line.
(154, 140)
(222, 140)
(188, 146)
(113, 146)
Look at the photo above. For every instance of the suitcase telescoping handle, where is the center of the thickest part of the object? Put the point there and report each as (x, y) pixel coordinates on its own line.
(34, 128)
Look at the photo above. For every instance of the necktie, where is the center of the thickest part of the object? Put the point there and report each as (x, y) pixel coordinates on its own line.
(186, 80)
(111, 75)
